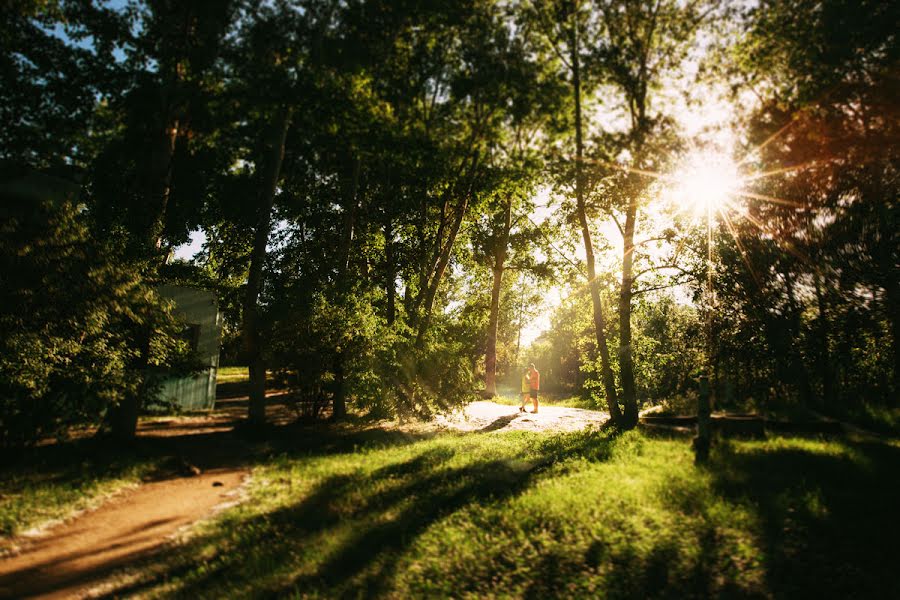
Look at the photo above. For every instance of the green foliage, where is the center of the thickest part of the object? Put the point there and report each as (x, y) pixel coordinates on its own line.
(668, 349)
(338, 345)
(808, 289)
(71, 323)
(420, 135)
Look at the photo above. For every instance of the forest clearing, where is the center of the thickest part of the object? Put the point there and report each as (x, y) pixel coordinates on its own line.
(449, 298)
(465, 507)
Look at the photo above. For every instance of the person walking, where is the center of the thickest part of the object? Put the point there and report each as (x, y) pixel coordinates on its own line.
(534, 385)
(526, 388)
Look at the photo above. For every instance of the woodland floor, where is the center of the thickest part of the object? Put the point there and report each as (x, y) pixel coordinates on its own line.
(487, 502)
(203, 469)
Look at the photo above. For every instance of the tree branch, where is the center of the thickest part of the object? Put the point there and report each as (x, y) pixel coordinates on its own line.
(661, 267)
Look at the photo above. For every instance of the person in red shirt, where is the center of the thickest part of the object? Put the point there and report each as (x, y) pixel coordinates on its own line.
(534, 382)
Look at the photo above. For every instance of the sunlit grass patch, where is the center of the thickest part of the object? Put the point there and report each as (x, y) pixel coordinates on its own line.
(232, 374)
(523, 514)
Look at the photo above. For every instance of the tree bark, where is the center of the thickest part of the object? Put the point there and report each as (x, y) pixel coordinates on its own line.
(800, 370)
(269, 174)
(824, 354)
(160, 180)
(490, 354)
(626, 356)
(609, 383)
(351, 204)
(444, 258)
(390, 271)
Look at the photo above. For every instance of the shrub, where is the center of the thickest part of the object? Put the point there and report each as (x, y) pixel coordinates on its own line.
(71, 323)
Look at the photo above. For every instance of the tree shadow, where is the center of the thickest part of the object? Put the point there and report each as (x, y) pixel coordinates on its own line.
(366, 521)
(828, 521)
(825, 527)
(499, 423)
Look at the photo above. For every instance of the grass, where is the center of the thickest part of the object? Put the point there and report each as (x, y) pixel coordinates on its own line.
(881, 419)
(520, 514)
(53, 482)
(232, 374)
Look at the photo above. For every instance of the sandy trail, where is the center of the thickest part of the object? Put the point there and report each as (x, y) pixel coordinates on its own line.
(67, 560)
(490, 416)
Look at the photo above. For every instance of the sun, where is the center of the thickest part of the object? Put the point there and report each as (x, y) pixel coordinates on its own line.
(705, 183)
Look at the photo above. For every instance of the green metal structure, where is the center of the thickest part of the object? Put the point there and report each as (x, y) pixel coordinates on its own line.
(200, 311)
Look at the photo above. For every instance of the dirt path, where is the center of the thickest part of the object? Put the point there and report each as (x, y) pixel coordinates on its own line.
(490, 416)
(203, 467)
(67, 560)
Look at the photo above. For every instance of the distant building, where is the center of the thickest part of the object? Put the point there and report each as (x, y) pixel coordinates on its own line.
(200, 311)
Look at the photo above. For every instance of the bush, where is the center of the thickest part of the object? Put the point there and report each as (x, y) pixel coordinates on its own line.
(335, 344)
(71, 323)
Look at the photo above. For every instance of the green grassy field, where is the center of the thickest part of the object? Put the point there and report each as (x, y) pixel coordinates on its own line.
(519, 514)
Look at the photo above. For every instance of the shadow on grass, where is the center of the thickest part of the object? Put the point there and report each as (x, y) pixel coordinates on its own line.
(828, 520)
(352, 529)
(824, 522)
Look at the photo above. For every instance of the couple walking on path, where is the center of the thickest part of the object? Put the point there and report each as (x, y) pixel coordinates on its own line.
(531, 385)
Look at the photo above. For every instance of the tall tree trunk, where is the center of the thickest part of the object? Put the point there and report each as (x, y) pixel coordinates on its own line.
(521, 316)
(490, 354)
(443, 258)
(269, 174)
(800, 370)
(390, 282)
(350, 200)
(626, 356)
(609, 383)
(159, 180)
(351, 203)
(824, 354)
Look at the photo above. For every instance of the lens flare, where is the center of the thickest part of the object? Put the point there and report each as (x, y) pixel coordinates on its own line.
(705, 183)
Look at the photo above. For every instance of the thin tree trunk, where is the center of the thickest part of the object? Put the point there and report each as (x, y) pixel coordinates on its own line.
(390, 271)
(521, 316)
(609, 383)
(824, 355)
(351, 204)
(490, 355)
(160, 180)
(626, 356)
(444, 258)
(801, 372)
(270, 172)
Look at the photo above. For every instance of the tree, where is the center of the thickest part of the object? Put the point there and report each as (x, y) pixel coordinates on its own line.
(821, 234)
(569, 28)
(73, 320)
